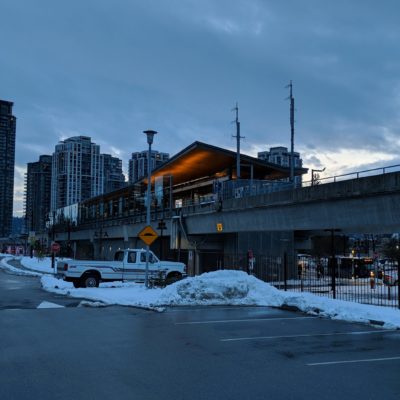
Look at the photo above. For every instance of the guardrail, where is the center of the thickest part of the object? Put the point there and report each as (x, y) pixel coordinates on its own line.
(352, 175)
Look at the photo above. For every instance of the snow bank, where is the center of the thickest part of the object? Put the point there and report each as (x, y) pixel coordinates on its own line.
(221, 288)
(4, 264)
(225, 288)
(214, 288)
(38, 264)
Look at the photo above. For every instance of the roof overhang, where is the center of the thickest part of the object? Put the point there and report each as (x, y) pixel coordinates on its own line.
(200, 160)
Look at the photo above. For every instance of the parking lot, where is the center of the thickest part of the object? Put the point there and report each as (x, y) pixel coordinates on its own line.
(277, 354)
(194, 353)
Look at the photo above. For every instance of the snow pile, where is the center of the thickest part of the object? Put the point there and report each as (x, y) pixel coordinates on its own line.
(221, 288)
(225, 288)
(214, 288)
(343, 310)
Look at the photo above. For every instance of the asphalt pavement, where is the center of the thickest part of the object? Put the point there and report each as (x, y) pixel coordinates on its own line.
(187, 353)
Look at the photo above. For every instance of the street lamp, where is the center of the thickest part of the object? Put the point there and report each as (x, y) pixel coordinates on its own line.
(314, 177)
(53, 237)
(150, 136)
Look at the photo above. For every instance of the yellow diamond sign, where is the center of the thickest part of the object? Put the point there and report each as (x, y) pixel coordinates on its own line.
(148, 235)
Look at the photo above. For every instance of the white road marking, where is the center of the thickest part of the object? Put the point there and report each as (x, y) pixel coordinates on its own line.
(47, 304)
(354, 361)
(306, 335)
(225, 321)
(214, 308)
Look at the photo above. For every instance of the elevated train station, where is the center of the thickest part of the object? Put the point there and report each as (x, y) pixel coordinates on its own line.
(197, 180)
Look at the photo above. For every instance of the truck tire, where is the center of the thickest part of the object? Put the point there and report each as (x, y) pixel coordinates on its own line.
(172, 278)
(90, 280)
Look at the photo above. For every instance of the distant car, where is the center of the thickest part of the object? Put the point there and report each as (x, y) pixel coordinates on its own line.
(390, 278)
(305, 261)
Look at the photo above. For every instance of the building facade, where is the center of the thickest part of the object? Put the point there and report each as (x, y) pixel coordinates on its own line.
(114, 179)
(7, 161)
(281, 156)
(138, 164)
(77, 172)
(38, 193)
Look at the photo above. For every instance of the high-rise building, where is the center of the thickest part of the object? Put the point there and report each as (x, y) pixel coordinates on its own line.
(138, 163)
(37, 194)
(281, 156)
(77, 172)
(114, 179)
(7, 161)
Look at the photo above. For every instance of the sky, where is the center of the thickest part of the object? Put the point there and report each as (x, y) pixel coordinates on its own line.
(110, 69)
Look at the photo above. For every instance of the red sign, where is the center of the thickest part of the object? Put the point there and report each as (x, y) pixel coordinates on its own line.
(55, 247)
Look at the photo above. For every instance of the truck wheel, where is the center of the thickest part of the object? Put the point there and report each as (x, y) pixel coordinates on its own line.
(90, 281)
(172, 278)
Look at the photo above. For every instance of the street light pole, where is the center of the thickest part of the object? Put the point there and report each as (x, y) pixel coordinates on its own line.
(53, 236)
(150, 135)
(314, 177)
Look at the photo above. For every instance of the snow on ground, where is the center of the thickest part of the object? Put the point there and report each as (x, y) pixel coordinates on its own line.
(214, 288)
(38, 264)
(4, 264)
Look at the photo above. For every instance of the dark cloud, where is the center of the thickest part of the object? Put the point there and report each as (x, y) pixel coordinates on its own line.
(111, 69)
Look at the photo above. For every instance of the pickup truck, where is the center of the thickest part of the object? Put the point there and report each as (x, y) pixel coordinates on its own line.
(128, 265)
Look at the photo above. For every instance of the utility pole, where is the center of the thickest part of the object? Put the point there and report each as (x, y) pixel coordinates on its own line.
(238, 137)
(150, 135)
(291, 98)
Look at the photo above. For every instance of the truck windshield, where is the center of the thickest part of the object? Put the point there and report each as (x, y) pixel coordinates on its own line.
(119, 256)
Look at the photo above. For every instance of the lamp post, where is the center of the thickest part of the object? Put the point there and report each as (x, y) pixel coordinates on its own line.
(314, 177)
(150, 135)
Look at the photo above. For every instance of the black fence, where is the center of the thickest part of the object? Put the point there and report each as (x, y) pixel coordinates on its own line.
(361, 280)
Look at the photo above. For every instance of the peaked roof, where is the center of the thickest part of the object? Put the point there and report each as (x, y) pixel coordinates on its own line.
(200, 159)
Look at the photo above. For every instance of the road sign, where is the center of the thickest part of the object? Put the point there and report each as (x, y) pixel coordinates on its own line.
(55, 247)
(162, 225)
(148, 235)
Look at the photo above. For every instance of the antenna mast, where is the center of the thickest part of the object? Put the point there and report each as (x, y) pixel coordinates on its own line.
(291, 98)
(238, 137)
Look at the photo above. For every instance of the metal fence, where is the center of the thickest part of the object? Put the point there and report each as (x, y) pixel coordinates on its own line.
(358, 280)
(352, 175)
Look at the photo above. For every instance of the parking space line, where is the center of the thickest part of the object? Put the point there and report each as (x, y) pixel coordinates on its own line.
(213, 308)
(307, 335)
(353, 361)
(225, 321)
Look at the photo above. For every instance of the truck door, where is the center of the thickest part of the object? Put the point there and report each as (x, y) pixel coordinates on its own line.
(131, 267)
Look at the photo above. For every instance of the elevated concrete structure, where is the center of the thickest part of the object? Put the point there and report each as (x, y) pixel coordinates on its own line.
(369, 205)
(364, 205)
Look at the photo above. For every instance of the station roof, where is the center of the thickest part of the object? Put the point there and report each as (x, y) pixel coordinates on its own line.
(200, 160)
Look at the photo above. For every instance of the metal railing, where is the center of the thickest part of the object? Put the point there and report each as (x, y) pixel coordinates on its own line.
(352, 175)
(374, 284)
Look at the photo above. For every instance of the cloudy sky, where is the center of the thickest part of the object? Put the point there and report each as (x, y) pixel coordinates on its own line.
(111, 68)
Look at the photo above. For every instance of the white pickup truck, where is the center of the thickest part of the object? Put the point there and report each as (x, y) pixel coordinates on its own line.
(128, 265)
